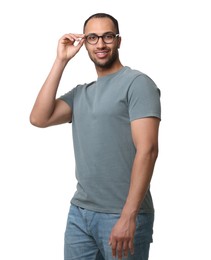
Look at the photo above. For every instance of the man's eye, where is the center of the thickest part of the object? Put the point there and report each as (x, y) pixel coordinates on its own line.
(108, 36)
(92, 38)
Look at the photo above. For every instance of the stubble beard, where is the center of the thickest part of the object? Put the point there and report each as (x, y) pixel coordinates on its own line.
(107, 64)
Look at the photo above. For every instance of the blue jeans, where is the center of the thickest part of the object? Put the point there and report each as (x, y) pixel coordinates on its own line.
(87, 235)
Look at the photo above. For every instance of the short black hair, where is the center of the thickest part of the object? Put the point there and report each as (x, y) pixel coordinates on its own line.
(103, 15)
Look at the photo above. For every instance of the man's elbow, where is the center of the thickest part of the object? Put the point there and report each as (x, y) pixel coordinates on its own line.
(150, 152)
(154, 153)
(37, 122)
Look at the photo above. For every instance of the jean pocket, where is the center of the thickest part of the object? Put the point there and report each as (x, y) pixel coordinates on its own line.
(144, 218)
(144, 228)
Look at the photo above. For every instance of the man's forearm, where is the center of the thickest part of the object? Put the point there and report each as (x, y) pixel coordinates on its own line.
(141, 175)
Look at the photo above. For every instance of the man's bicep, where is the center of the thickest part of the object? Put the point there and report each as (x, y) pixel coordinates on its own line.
(145, 132)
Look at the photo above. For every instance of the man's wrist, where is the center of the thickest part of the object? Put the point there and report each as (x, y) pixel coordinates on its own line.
(61, 62)
(129, 212)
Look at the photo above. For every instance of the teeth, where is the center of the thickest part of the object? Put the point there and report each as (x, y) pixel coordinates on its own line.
(101, 54)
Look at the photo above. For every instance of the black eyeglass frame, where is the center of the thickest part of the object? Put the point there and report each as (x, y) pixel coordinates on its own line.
(102, 36)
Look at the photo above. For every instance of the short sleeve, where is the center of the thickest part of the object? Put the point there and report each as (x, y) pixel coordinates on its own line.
(144, 98)
(68, 97)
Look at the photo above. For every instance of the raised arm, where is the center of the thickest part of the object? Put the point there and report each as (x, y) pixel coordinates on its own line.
(48, 110)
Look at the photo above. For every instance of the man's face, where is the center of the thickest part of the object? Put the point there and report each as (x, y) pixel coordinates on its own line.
(102, 54)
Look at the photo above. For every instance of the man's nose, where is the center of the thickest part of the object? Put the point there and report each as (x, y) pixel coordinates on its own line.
(100, 42)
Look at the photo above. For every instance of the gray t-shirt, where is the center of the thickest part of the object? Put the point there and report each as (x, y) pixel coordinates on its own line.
(103, 145)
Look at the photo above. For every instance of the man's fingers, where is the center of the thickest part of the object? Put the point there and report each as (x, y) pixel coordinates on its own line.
(125, 248)
(131, 247)
(119, 249)
(79, 42)
(113, 247)
(72, 38)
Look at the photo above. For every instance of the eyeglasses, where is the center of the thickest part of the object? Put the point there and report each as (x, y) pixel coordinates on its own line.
(107, 38)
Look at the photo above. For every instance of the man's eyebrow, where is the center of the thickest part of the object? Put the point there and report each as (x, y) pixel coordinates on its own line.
(100, 35)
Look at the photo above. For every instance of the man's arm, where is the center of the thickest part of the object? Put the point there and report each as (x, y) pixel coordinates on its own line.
(47, 110)
(145, 138)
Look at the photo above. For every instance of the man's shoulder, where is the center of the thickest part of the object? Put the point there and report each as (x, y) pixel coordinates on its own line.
(83, 86)
(133, 72)
(139, 75)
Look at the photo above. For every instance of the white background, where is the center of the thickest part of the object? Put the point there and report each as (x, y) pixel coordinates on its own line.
(169, 41)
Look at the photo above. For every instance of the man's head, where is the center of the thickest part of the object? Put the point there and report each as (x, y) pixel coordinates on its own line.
(102, 39)
(103, 15)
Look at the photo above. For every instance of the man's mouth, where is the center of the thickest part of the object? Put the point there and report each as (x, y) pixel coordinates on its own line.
(101, 54)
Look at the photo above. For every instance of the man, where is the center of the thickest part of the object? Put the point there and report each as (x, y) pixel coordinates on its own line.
(115, 122)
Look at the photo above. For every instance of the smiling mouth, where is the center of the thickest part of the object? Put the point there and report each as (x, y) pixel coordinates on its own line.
(101, 54)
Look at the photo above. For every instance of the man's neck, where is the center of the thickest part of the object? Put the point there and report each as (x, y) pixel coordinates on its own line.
(102, 72)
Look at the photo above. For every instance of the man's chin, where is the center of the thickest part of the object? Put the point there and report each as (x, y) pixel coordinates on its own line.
(103, 64)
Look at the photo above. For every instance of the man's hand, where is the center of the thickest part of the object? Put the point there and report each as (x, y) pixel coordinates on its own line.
(69, 45)
(122, 236)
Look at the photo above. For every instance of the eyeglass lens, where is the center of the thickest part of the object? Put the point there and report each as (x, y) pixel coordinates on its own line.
(107, 38)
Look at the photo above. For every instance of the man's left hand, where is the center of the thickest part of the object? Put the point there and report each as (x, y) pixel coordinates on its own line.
(122, 236)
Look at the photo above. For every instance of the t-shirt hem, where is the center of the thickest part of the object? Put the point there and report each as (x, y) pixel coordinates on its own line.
(109, 211)
(144, 116)
(66, 101)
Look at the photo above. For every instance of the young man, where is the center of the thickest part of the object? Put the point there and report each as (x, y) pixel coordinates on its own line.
(115, 122)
